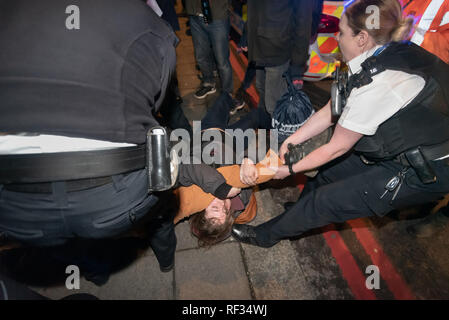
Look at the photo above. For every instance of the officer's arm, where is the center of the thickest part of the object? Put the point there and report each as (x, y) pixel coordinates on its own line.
(342, 141)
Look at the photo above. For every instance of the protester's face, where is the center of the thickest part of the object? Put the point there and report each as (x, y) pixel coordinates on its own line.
(217, 210)
(347, 41)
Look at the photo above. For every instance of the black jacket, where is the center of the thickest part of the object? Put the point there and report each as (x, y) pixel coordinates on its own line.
(219, 8)
(102, 81)
(279, 31)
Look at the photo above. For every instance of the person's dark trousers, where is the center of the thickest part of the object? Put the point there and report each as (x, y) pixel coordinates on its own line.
(50, 219)
(271, 85)
(250, 74)
(316, 17)
(218, 116)
(348, 189)
(163, 240)
(212, 40)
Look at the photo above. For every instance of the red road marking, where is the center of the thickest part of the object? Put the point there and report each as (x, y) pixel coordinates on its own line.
(349, 268)
(241, 73)
(394, 281)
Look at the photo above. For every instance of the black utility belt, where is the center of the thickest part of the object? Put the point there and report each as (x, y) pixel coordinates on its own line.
(86, 169)
(419, 159)
(66, 166)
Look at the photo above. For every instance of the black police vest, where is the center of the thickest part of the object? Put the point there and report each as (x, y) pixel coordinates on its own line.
(425, 120)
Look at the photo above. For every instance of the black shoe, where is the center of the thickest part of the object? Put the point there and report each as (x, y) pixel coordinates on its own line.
(247, 234)
(237, 105)
(430, 225)
(204, 91)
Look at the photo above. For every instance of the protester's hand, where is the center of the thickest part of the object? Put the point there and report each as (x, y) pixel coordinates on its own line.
(234, 192)
(281, 172)
(248, 172)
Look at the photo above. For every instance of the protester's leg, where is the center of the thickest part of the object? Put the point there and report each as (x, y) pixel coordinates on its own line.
(275, 85)
(218, 115)
(256, 119)
(219, 37)
(203, 50)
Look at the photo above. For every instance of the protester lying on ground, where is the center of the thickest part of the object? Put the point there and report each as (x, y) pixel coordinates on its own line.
(213, 216)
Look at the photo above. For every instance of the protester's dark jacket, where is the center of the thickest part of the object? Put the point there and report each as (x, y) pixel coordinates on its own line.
(219, 8)
(279, 31)
(425, 120)
(102, 81)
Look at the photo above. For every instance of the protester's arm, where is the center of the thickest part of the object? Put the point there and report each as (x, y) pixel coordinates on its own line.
(317, 123)
(248, 172)
(207, 178)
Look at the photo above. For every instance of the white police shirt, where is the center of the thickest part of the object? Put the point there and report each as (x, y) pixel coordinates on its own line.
(369, 106)
(32, 144)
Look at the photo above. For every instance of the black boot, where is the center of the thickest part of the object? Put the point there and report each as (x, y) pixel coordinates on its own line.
(430, 225)
(247, 234)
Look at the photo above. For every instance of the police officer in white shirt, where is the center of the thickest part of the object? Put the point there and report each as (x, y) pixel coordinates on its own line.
(390, 146)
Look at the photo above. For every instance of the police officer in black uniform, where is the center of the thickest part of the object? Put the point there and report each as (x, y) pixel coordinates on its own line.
(390, 147)
(79, 84)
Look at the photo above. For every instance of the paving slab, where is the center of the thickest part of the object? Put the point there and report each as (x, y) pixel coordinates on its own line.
(217, 273)
(274, 273)
(142, 280)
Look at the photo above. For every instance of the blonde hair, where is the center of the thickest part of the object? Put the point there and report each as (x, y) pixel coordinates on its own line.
(393, 27)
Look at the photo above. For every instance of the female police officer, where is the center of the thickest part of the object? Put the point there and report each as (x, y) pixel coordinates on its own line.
(396, 120)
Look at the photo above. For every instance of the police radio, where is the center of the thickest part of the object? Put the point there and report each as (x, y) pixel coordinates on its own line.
(338, 92)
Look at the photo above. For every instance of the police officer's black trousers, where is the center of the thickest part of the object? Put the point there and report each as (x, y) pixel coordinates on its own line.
(347, 189)
(51, 219)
